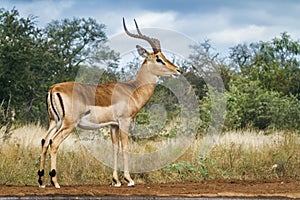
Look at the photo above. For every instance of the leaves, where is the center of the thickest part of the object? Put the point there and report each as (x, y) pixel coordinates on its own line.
(274, 63)
(32, 59)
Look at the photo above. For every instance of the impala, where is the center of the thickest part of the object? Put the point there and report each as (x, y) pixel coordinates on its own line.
(114, 104)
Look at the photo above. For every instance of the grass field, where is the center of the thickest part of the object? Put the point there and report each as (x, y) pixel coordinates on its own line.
(242, 155)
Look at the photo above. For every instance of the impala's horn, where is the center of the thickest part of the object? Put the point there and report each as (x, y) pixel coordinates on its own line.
(155, 44)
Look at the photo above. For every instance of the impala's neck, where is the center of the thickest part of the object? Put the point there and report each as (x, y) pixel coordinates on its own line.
(144, 84)
(145, 76)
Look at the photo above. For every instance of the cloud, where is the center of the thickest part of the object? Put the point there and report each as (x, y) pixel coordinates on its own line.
(145, 19)
(158, 19)
(239, 35)
(225, 24)
(46, 11)
(226, 27)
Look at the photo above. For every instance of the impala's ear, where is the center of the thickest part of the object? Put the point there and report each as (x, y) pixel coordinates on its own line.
(142, 52)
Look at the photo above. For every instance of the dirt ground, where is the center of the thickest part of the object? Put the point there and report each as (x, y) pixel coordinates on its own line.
(222, 188)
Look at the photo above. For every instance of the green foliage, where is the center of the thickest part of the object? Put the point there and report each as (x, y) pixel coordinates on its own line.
(70, 43)
(265, 85)
(32, 59)
(274, 63)
(190, 171)
(21, 73)
(250, 105)
(94, 75)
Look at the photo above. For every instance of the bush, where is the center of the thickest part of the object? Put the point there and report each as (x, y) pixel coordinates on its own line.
(249, 105)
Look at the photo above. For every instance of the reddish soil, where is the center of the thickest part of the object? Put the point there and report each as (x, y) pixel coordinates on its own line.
(221, 188)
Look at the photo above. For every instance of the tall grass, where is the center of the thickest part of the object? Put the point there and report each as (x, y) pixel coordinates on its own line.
(236, 155)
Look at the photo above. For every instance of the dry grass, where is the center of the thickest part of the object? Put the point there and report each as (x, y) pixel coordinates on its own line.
(254, 155)
(235, 155)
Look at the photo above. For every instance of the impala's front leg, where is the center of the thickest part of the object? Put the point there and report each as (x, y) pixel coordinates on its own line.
(115, 142)
(124, 130)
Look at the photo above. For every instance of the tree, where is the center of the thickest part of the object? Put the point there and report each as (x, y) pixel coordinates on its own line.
(20, 61)
(274, 63)
(32, 59)
(70, 44)
(264, 88)
(209, 77)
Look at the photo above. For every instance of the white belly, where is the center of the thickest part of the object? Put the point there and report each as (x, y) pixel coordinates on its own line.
(84, 123)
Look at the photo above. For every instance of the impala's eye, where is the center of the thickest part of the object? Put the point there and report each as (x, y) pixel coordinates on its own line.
(160, 60)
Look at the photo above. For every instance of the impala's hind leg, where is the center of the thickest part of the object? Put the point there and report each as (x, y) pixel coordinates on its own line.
(54, 143)
(52, 129)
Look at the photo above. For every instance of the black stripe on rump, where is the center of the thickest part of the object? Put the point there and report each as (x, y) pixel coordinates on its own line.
(61, 103)
(52, 106)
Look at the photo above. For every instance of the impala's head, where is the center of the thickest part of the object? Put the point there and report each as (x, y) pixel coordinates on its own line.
(160, 65)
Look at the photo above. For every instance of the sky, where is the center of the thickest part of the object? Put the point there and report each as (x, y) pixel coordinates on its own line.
(225, 23)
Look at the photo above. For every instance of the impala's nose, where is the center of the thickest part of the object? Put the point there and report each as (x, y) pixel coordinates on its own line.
(178, 72)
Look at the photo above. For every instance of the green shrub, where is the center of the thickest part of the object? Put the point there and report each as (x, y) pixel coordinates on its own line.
(249, 105)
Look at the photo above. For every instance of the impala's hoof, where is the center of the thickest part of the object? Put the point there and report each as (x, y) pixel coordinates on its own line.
(117, 185)
(116, 182)
(41, 174)
(57, 186)
(130, 184)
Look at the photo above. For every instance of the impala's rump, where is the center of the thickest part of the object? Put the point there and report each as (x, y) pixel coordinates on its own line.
(55, 105)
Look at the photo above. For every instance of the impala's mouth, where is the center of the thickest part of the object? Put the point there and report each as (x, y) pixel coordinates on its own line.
(176, 74)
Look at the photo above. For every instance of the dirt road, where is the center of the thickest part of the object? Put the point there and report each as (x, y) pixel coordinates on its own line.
(221, 188)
